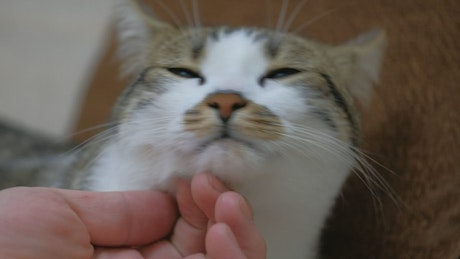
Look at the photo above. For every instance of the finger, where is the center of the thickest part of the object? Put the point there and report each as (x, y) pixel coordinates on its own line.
(188, 209)
(222, 244)
(190, 230)
(117, 253)
(233, 210)
(205, 191)
(196, 256)
(123, 218)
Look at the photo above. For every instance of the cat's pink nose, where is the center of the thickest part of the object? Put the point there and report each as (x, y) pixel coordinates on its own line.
(226, 104)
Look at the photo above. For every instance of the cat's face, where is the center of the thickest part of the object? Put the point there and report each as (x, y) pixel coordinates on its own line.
(236, 98)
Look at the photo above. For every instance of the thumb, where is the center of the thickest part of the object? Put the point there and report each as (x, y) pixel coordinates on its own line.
(123, 218)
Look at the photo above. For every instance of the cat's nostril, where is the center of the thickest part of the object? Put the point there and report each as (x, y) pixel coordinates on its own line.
(213, 105)
(226, 104)
(239, 105)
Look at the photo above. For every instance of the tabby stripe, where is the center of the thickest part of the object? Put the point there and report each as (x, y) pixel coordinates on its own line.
(140, 78)
(130, 89)
(342, 103)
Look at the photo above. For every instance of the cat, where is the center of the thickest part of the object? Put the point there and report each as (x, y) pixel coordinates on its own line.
(271, 114)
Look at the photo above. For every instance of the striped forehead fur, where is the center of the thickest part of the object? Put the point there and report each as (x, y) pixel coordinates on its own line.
(198, 38)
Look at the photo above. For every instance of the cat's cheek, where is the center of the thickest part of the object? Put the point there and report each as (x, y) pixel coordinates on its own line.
(288, 103)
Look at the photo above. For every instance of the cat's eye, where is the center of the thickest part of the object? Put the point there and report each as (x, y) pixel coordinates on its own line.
(184, 72)
(281, 73)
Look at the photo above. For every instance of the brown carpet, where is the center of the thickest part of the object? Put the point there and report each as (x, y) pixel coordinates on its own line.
(412, 126)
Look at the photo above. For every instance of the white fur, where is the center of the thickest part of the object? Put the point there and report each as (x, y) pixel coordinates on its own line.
(291, 187)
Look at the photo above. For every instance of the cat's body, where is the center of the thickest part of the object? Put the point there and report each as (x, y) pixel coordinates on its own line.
(270, 113)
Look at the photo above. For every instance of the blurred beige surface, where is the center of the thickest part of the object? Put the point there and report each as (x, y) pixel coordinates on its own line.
(47, 50)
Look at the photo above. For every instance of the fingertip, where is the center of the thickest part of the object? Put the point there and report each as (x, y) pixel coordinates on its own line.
(206, 180)
(233, 204)
(234, 211)
(221, 243)
(205, 191)
(188, 208)
(222, 231)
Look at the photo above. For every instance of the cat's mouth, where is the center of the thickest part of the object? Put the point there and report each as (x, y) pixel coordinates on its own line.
(224, 140)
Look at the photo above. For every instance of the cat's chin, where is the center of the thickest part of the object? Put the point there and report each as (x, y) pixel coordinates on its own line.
(230, 159)
(226, 143)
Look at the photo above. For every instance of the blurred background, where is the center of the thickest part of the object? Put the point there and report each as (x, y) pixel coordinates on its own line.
(48, 50)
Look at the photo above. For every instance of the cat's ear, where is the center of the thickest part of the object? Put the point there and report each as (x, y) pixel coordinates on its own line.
(136, 30)
(358, 63)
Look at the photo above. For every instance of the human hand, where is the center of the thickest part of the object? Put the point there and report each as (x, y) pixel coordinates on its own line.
(53, 223)
(214, 223)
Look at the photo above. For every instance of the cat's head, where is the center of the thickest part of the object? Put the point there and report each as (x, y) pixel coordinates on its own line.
(238, 97)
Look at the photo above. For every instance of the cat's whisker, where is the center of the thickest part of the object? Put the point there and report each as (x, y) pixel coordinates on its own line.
(93, 128)
(286, 151)
(282, 15)
(300, 145)
(337, 144)
(378, 180)
(314, 20)
(376, 201)
(368, 157)
(94, 159)
(196, 13)
(152, 121)
(80, 146)
(365, 179)
(312, 140)
(101, 135)
(321, 16)
(323, 137)
(364, 161)
(294, 15)
(368, 179)
(177, 21)
(363, 169)
(186, 13)
(156, 125)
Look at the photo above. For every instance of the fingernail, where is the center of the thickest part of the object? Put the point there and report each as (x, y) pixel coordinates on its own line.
(228, 232)
(216, 184)
(245, 209)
